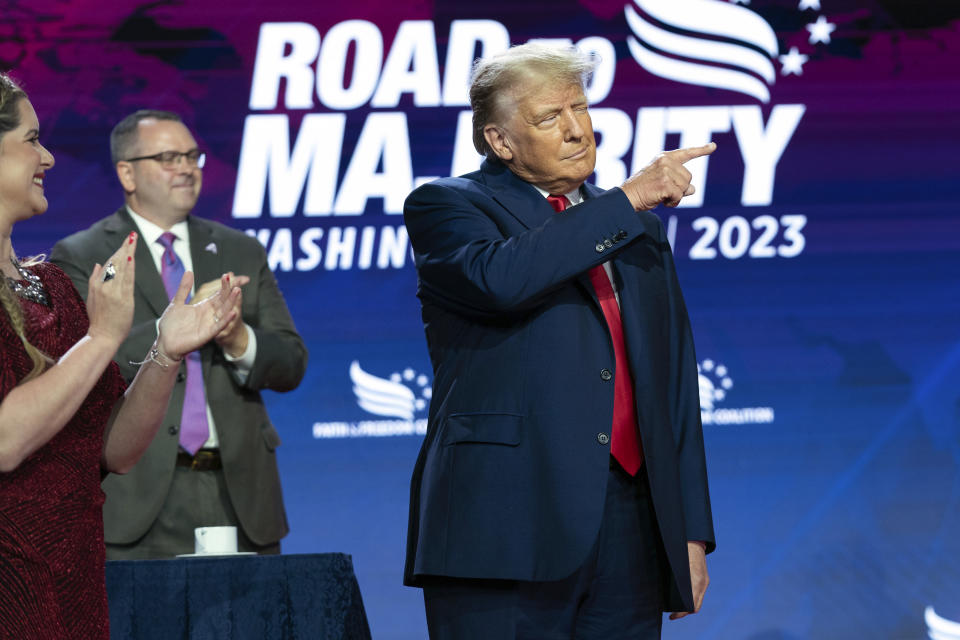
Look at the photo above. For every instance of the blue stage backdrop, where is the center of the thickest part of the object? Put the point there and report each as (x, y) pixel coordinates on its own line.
(820, 256)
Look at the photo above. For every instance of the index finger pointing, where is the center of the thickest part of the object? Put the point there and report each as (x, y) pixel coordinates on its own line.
(689, 153)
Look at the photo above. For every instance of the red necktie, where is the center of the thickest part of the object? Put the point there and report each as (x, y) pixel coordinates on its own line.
(625, 440)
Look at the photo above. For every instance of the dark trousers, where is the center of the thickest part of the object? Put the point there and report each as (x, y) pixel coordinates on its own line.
(196, 499)
(616, 594)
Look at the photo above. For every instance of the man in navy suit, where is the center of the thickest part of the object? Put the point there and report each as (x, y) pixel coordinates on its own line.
(561, 490)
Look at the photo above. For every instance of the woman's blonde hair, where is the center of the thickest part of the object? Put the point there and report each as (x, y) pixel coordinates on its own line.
(10, 96)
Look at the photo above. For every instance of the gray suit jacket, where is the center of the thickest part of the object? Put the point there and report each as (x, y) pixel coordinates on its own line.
(247, 438)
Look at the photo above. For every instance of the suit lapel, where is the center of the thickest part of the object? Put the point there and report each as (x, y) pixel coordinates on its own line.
(584, 281)
(204, 251)
(205, 255)
(521, 199)
(149, 285)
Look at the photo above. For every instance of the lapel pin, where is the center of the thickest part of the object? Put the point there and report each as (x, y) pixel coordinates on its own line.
(212, 248)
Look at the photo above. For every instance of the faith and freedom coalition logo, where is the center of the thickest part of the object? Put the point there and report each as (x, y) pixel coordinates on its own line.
(715, 385)
(399, 403)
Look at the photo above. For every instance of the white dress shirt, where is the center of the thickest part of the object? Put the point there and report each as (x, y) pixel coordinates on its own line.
(149, 234)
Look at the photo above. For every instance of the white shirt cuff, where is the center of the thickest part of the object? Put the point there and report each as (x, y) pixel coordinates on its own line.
(244, 363)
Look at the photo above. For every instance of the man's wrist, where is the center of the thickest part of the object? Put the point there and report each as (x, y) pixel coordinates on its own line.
(237, 345)
(243, 358)
(634, 199)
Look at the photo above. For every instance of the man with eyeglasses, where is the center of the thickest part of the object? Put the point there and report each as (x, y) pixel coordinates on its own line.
(213, 462)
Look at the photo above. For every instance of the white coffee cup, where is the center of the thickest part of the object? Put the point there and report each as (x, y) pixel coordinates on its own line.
(215, 540)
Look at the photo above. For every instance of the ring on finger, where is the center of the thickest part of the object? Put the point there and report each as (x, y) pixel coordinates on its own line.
(109, 272)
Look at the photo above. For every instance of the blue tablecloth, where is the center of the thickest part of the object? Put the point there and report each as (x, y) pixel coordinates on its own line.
(258, 597)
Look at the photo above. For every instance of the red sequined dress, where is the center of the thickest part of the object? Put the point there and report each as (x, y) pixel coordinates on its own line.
(51, 525)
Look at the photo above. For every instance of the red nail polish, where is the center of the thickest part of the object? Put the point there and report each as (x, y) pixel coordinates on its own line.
(129, 258)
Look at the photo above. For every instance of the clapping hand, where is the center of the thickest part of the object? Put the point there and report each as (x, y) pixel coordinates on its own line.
(233, 338)
(110, 294)
(187, 327)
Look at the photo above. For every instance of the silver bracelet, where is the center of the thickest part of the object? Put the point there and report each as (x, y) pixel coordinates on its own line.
(160, 358)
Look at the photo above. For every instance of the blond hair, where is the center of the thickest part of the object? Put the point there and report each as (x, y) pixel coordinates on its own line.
(494, 77)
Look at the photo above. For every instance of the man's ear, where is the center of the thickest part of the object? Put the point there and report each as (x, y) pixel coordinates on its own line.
(497, 139)
(125, 175)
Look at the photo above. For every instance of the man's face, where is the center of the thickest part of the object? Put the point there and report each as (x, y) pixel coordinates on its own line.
(163, 196)
(545, 135)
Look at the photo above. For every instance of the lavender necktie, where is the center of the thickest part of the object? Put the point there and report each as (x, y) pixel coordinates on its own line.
(194, 429)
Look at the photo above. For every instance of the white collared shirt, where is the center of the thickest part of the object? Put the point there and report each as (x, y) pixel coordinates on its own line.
(149, 234)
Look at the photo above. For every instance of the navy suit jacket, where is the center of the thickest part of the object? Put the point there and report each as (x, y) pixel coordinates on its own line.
(511, 479)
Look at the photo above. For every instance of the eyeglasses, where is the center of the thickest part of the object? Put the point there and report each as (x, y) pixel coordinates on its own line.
(171, 159)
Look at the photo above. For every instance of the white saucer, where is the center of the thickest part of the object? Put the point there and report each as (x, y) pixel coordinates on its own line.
(216, 555)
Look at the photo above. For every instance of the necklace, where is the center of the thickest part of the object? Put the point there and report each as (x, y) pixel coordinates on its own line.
(33, 290)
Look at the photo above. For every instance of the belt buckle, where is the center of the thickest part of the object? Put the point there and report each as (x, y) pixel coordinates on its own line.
(204, 460)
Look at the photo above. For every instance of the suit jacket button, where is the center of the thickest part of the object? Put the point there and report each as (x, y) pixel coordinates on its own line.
(608, 243)
(600, 248)
(181, 377)
(173, 429)
(603, 438)
(605, 375)
(622, 235)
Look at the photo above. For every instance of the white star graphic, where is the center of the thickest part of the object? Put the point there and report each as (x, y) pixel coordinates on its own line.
(809, 4)
(793, 62)
(820, 30)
